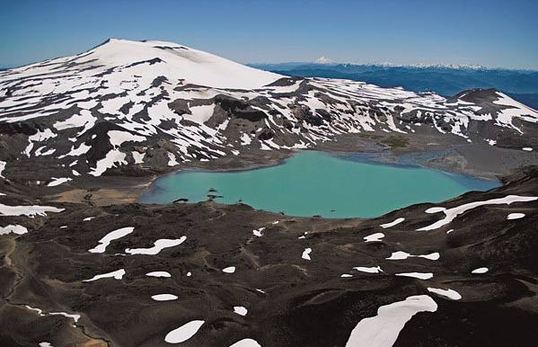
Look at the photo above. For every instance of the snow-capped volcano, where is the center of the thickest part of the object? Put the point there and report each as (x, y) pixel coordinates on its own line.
(130, 104)
(148, 59)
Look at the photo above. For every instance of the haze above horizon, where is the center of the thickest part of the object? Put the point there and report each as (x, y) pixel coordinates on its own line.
(490, 33)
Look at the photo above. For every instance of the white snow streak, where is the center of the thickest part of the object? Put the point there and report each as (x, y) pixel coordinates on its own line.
(400, 255)
(57, 181)
(513, 216)
(371, 269)
(383, 329)
(15, 229)
(118, 275)
(159, 245)
(158, 274)
(229, 270)
(111, 236)
(30, 211)
(2, 168)
(184, 332)
(449, 293)
(452, 213)
(246, 343)
(306, 254)
(393, 223)
(164, 297)
(374, 237)
(240, 310)
(419, 275)
(112, 158)
(258, 232)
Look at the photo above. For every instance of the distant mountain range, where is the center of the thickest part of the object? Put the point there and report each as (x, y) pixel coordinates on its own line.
(444, 80)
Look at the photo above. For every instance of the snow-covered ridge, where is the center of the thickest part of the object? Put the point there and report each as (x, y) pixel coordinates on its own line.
(153, 104)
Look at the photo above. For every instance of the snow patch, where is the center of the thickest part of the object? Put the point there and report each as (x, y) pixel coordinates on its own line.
(449, 293)
(2, 168)
(112, 158)
(383, 329)
(40, 312)
(246, 343)
(118, 275)
(374, 237)
(200, 114)
(172, 161)
(452, 213)
(159, 245)
(164, 297)
(370, 270)
(13, 229)
(240, 310)
(111, 236)
(258, 232)
(57, 181)
(400, 255)
(245, 139)
(419, 275)
(393, 223)
(29, 211)
(138, 157)
(76, 152)
(513, 216)
(84, 119)
(306, 254)
(118, 137)
(184, 332)
(229, 269)
(158, 274)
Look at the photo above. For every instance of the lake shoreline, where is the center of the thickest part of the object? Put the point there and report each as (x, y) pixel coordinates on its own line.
(388, 157)
(316, 183)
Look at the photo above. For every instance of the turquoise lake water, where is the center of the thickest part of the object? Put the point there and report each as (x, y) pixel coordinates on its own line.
(315, 183)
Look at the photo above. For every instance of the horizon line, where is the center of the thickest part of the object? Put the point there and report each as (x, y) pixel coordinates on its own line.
(327, 62)
(475, 67)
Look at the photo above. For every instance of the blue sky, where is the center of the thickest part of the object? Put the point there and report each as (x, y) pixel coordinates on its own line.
(490, 33)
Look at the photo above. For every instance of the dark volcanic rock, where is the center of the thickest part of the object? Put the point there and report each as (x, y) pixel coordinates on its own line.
(239, 109)
(266, 134)
(291, 301)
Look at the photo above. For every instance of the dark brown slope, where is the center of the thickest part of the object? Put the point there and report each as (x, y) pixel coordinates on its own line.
(303, 303)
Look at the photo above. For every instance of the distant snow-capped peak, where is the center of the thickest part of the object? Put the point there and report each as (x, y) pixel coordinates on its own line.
(323, 60)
